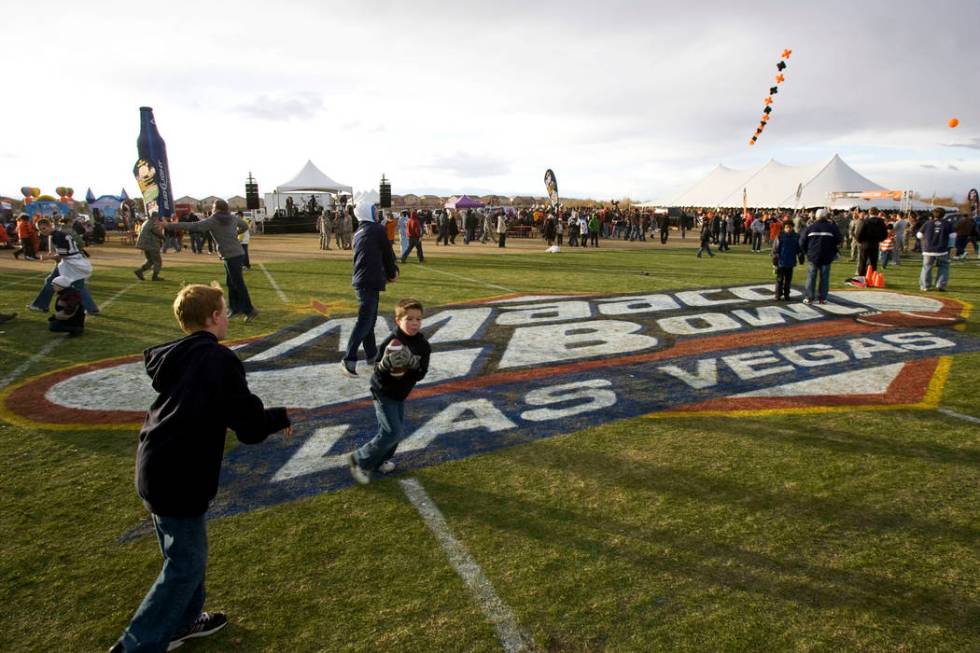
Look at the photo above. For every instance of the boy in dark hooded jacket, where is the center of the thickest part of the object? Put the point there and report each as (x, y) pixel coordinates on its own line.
(785, 253)
(202, 392)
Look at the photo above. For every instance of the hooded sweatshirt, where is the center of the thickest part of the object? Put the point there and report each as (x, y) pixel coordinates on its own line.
(202, 392)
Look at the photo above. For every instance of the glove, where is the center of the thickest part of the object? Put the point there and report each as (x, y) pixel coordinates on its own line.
(415, 363)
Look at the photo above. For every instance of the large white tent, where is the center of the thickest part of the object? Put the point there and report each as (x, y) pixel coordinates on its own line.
(312, 179)
(308, 182)
(774, 185)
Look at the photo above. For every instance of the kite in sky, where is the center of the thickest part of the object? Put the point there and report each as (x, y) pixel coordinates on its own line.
(773, 90)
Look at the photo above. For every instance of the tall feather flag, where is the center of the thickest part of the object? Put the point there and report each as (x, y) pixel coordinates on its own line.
(551, 183)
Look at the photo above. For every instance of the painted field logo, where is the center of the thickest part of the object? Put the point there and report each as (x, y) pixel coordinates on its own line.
(513, 370)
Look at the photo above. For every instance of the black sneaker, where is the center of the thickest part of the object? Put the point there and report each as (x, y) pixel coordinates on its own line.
(208, 623)
(348, 369)
(139, 275)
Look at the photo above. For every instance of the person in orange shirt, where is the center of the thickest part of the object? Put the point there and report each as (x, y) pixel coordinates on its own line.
(27, 235)
(390, 226)
(774, 228)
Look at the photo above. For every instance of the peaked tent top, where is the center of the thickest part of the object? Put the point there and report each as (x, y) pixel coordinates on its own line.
(775, 184)
(312, 179)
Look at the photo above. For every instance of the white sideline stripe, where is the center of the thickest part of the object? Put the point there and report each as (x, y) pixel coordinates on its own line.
(500, 615)
(20, 369)
(459, 276)
(34, 277)
(117, 295)
(275, 286)
(49, 346)
(953, 413)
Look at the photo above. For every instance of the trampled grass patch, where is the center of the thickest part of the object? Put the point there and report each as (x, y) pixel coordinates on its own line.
(842, 530)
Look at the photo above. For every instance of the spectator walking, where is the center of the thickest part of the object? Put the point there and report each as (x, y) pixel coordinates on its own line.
(374, 267)
(150, 241)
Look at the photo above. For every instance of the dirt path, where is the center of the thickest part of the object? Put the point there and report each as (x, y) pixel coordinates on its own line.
(296, 247)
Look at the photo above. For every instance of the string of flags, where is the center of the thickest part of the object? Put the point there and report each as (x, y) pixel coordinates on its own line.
(773, 90)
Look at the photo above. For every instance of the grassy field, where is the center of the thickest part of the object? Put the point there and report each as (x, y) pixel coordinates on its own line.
(845, 531)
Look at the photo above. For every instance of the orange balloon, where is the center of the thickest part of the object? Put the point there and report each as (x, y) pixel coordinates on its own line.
(953, 122)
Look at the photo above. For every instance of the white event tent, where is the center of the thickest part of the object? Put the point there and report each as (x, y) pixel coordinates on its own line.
(774, 185)
(308, 181)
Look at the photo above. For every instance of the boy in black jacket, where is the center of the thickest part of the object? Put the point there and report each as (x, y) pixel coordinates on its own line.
(202, 392)
(404, 363)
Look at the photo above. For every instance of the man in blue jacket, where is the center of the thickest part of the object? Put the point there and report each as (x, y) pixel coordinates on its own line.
(374, 266)
(202, 393)
(934, 237)
(819, 242)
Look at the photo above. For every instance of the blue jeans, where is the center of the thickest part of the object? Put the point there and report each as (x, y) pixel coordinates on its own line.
(43, 299)
(176, 597)
(238, 299)
(367, 315)
(391, 417)
(941, 263)
(812, 269)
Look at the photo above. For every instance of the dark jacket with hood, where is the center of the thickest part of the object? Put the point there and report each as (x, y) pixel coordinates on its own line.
(374, 259)
(203, 393)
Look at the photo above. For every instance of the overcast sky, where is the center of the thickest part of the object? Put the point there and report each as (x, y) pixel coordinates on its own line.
(633, 99)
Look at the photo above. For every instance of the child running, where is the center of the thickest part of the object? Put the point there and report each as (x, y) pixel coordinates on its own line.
(404, 363)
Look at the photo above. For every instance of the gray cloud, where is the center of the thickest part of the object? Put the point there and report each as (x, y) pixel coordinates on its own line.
(974, 144)
(952, 167)
(928, 166)
(299, 106)
(463, 164)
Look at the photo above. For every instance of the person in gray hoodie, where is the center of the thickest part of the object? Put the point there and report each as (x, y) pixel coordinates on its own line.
(224, 228)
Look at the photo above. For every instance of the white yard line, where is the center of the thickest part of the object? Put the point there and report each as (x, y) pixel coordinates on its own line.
(459, 276)
(116, 296)
(497, 612)
(275, 286)
(34, 277)
(953, 413)
(23, 367)
(49, 346)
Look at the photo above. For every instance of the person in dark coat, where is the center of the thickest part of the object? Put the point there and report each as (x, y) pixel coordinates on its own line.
(785, 253)
(374, 267)
(869, 236)
(819, 242)
(202, 392)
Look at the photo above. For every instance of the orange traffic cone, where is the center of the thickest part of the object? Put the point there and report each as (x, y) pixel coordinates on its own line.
(879, 280)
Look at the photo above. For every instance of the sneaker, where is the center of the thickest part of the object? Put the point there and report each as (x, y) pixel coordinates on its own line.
(348, 369)
(36, 309)
(31, 258)
(940, 289)
(17, 255)
(251, 316)
(823, 301)
(208, 623)
(807, 300)
(139, 275)
(359, 473)
(157, 279)
(386, 467)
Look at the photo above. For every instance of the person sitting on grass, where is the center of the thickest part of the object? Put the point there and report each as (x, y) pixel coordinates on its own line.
(69, 314)
(202, 393)
(404, 363)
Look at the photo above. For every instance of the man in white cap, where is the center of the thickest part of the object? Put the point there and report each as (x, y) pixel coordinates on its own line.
(374, 267)
(819, 241)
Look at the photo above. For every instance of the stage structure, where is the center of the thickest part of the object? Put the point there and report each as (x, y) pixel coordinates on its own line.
(296, 205)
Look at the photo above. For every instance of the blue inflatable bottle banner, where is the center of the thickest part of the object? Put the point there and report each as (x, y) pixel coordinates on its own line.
(152, 171)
